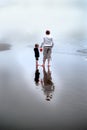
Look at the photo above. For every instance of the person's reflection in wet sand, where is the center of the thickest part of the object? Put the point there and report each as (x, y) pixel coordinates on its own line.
(47, 84)
(37, 76)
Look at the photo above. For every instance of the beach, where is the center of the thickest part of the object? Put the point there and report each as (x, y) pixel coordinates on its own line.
(23, 103)
(43, 98)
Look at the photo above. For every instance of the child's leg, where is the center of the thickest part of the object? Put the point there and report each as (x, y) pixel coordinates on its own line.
(36, 61)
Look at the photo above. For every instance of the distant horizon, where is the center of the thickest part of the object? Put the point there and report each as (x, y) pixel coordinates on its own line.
(28, 19)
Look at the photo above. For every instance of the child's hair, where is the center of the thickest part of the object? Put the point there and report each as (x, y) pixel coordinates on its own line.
(47, 32)
(36, 45)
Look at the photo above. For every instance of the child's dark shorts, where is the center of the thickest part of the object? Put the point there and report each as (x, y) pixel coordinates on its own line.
(37, 58)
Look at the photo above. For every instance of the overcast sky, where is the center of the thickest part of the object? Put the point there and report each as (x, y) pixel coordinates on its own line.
(23, 18)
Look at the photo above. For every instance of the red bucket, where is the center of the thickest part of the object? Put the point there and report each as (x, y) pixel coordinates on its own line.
(41, 49)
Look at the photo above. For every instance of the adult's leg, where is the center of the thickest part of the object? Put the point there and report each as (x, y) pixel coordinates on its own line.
(44, 56)
(48, 62)
(44, 60)
(49, 55)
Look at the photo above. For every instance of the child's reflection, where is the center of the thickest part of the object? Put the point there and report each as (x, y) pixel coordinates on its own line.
(47, 84)
(37, 76)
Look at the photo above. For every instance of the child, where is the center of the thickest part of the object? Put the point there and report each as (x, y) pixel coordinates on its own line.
(47, 45)
(36, 52)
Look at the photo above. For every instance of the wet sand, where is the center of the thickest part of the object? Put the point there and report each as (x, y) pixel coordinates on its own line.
(23, 103)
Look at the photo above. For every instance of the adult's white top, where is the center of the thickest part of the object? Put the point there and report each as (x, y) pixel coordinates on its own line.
(47, 41)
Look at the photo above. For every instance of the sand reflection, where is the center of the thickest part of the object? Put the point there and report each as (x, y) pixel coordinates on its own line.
(45, 82)
(37, 76)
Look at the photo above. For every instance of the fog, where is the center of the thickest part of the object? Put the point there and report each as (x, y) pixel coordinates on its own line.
(26, 20)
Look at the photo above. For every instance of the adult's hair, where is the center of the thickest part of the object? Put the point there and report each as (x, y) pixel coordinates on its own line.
(47, 32)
